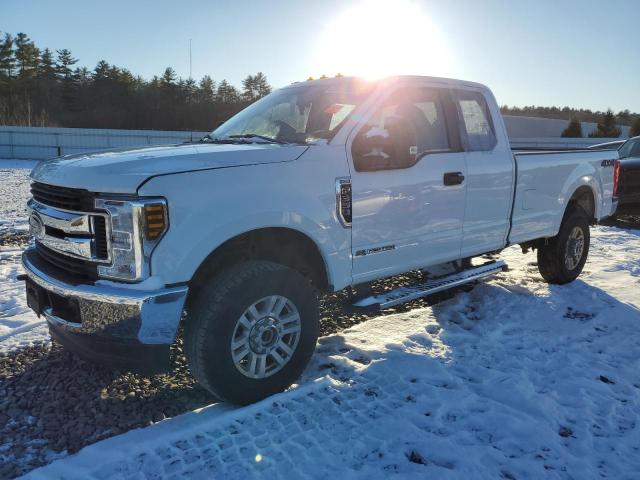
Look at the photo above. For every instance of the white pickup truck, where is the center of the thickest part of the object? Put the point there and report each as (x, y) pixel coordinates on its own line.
(320, 186)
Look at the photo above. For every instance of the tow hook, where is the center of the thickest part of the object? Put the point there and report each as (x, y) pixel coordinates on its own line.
(22, 277)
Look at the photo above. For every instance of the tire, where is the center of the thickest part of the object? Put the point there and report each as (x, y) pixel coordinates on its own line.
(559, 260)
(220, 313)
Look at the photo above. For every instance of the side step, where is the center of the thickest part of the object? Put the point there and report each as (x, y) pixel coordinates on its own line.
(407, 294)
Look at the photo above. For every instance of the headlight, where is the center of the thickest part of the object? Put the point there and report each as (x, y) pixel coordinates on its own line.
(136, 228)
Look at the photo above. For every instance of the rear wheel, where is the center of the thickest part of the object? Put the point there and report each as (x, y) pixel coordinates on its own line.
(251, 331)
(562, 258)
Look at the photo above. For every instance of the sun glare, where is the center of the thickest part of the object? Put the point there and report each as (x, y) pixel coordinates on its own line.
(378, 38)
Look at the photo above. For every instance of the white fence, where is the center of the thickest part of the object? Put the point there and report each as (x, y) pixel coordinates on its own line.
(42, 143)
(557, 143)
(536, 127)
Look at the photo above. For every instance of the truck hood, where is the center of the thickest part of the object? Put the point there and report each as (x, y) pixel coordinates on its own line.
(124, 170)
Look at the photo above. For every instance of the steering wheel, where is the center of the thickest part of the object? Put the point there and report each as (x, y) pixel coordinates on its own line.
(286, 130)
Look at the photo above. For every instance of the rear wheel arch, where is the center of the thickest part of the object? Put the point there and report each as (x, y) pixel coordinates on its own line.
(583, 198)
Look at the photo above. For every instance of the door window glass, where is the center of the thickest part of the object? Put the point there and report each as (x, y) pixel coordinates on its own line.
(476, 121)
(409, 124)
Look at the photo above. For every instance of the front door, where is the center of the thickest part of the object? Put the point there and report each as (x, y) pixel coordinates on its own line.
(408, 184)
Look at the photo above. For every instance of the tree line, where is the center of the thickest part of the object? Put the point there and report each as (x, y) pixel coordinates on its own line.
(39, 87)
(608, 123)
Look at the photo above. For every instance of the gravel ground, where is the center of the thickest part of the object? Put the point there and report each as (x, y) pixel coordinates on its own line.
(54, 403)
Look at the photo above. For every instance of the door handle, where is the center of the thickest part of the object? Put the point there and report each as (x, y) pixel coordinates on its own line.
(453, 178)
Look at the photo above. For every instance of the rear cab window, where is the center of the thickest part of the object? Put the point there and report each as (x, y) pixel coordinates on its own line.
(476, 125)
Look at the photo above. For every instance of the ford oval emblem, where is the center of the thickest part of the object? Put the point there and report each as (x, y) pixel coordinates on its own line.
(36, 227)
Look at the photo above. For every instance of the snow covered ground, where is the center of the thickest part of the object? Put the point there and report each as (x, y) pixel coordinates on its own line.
(18, 324)
(14, 192)
(515, 379)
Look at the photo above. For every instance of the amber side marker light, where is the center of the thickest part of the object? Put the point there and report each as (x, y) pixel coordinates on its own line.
(154, 220)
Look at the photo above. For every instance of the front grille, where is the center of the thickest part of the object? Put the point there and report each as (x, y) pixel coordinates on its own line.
(74, 199)
(75, 266)
(100, 233)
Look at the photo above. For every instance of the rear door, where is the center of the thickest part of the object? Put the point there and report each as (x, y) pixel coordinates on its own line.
(407, 209)
(490, 171)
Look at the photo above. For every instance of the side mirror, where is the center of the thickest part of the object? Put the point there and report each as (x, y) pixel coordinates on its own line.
(388, 148)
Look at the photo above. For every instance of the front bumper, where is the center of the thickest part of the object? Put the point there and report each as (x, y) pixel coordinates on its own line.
(105, 322)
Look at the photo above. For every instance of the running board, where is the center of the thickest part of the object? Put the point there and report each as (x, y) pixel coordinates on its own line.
(407, 294)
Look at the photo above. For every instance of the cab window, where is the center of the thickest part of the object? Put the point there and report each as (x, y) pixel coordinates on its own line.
(410, 124)
(475, 118)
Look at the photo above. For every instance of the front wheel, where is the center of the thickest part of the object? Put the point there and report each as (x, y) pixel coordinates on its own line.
(251, 331)
(563, 257)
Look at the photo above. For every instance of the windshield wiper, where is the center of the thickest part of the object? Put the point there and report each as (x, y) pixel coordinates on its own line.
(255, 135)
(209, 139)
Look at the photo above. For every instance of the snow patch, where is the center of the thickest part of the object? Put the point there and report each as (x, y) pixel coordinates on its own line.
(516, 379)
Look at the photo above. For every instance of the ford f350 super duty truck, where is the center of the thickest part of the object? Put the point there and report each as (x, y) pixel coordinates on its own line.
(319, 186)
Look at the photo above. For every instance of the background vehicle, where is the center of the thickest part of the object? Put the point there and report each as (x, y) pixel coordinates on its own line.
(607, 145)
(629, 177)
(628, 187)
(317, 187)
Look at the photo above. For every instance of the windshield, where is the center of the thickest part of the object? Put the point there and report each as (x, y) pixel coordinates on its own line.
(628, 150)
(293, 115)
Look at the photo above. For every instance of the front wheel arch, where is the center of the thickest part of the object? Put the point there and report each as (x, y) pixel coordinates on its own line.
(284, 246)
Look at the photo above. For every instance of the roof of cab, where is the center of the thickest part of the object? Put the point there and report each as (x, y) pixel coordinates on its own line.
(341, 80)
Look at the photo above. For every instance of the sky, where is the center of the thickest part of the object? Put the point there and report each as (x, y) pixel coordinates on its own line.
(546, 52)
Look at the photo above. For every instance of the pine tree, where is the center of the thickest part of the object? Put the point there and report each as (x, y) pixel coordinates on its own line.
(46, 83)
(190, 88)
(635, 128)
(101, 72)
(574, 129)
(168, 77)
(227, 93)
(7, 59)
(47, 67)
(64, 63)
(606, 127)
(255, 87)
(83, 75)
(68, 89)
(27, 56)
(249, 92)
(207, 89)
(261, 84)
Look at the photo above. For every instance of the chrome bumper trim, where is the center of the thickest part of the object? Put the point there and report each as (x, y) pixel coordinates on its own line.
(150, 316)
(51, 318)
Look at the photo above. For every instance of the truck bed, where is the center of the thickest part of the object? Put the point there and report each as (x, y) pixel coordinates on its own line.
(545, 182)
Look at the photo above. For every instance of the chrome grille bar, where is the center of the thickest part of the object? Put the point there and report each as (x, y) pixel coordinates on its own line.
(70, 233)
